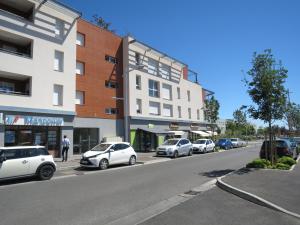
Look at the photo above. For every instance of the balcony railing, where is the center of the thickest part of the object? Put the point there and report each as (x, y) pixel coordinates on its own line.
(8, 92)
(22, 54)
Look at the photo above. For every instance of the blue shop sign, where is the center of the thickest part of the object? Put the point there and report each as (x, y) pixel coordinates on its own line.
(33, 120)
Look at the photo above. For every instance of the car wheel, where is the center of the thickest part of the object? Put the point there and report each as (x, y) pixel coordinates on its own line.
(175, 155)
(226, 148)
(213, 149)
(103, 165)
(204, 150)
(190, 153)
(45, 172)
(132, 160)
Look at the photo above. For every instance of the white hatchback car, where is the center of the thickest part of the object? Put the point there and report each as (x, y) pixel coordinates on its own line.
(203, 145)
(24, 161)
(109, 153)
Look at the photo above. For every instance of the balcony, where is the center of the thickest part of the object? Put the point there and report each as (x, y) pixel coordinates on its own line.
(16, 45)
(22, 9)
(12, 84)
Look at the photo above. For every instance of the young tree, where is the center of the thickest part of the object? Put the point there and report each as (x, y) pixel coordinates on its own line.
(292, 116)
(211, 112)
(267, 91)
(100, 22)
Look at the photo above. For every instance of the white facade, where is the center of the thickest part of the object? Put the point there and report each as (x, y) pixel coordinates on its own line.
(170, 98)
(51, 34)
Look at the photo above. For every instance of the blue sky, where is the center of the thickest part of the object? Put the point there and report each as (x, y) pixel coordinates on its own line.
(216, 38)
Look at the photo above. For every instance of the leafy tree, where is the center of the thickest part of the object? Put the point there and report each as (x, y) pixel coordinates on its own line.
(100, 22)
(211, 112)
(239, 117)
(267, 91)
(292, 116)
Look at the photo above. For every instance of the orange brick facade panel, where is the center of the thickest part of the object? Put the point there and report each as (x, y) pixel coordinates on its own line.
(97, 97)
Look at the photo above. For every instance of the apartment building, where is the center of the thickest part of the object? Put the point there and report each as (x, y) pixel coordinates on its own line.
(37, 85)
(159, 100)
(99, 87)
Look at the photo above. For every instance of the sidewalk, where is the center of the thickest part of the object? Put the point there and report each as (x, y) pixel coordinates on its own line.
(276, 186)
(142, 158)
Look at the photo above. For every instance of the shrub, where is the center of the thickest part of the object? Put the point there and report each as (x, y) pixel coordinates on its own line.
(286, 160)
(259, 163)
(282, 166)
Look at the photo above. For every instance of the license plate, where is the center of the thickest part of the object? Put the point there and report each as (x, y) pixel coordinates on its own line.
(160, 153)
(84, 162)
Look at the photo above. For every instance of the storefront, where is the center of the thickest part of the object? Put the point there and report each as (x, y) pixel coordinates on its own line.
(25, 130)
(147, 135)
(85, 139)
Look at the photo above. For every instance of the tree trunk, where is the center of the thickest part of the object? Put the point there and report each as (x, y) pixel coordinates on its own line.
(271, 143)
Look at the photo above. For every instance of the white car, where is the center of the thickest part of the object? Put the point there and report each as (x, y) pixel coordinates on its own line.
(109, 153)
(237, 142)
(203, 145)
(24, 161)
(175, 147)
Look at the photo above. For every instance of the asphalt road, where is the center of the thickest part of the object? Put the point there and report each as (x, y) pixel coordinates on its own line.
(105, 196)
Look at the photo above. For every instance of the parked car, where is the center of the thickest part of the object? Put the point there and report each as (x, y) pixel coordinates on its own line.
(25, 161)
(283, 148)
(175, 147)
(203, 145)
(292, 140)
(237, 142)
(297, 139)
(108, 153)
(224, 143)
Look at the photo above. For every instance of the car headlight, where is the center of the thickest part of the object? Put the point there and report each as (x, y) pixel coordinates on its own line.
(94, 156)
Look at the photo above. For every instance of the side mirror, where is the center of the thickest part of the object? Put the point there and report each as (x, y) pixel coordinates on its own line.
(111, 150)
(178, 144)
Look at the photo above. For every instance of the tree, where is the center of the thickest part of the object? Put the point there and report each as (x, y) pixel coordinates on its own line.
(292, 116)
(267, 91)
(100, 22)
(211, 112)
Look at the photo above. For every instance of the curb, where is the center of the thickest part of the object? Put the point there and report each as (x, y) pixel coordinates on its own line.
(253, 198)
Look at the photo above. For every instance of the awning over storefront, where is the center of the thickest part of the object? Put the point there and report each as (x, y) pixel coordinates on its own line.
(155, 130)
(177, 132)
(211, 133)
(202, 133)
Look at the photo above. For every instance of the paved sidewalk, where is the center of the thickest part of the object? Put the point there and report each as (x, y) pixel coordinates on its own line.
(142, 158)
(276, 186)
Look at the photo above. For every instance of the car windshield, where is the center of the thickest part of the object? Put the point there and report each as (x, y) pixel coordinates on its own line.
(171, 142)
(200, 142)
(101, 147)
(234, 139)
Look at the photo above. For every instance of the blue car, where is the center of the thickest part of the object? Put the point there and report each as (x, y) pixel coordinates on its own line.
(225, 143)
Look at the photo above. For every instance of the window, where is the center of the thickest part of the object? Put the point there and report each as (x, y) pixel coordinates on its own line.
(59, 28)
(80, 39)
(111, 59)
(111, 84)
(198, 114)
(138, 83)
(165, 71)
(154, 108)
(138, 58)
(178, 93)
(58, 61)
(118, 147)
(57, 94)
(152, 66)
(7, 86)
(79, 98)
(138, 106)
(15, 154)
(167, 110)
(190, 113)
(37, 152)
(153, 88)
(189, 95)
(80, 68)
(179, 112)
(167, 91)
(111, 111)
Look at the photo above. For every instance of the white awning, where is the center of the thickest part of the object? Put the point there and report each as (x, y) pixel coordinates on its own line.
(177, 132)
(202, 133)
(211, 133)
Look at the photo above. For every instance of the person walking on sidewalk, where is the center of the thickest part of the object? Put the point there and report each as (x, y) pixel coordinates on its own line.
(65, 149)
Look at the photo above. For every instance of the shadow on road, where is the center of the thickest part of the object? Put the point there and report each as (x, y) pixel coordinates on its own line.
(216, 173)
